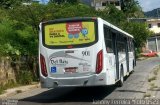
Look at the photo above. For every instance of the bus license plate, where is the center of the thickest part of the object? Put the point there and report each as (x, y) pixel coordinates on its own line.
(71, 70)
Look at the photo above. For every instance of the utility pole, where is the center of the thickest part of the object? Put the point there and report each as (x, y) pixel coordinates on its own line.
(122, 5)
(158, 14)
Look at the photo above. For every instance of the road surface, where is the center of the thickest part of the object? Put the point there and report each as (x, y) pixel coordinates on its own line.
(133, 88)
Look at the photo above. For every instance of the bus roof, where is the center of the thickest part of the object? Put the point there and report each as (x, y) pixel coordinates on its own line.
(70, 19)
(116, 28)
(87, 18)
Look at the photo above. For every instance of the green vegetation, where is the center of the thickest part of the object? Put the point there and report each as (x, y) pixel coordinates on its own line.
(152, 78)
(19, 28)
(155, 72)
(153, 86)
(18, 91)
(147, 95)
(9, 84)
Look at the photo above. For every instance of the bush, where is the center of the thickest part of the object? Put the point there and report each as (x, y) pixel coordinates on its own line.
(25, 77)
(10, 84)
(152, 78)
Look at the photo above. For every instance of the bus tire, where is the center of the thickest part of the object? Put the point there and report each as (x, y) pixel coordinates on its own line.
(120, 82)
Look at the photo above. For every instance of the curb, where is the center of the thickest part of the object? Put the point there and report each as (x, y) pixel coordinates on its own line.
(142, 58)
(16, 90)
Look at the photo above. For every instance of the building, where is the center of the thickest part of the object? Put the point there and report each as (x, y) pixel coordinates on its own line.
(154, 25)
(101, 4)
(153, 43)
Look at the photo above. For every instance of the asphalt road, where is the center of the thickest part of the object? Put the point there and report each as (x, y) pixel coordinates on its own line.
(133, 88)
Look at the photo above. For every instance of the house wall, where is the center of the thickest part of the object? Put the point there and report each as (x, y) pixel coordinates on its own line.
(154, 25)
(153, 43)
(97, 4)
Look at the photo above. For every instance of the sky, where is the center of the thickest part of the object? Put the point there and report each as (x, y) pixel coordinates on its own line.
(43, 1)
(148, 5)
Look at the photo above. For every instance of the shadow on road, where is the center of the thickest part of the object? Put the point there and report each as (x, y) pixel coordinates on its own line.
(132, 91)
(81, 94)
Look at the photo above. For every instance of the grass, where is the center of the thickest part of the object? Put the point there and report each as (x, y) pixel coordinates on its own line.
(152, 82)
(156, 72)
(153, 86)
(18, 91)
(147, 95)
(12, 84)
(1, 90)
(152, 78)
(8, 85)
(24, 78)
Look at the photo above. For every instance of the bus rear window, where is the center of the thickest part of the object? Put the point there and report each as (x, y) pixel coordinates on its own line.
(70, 33)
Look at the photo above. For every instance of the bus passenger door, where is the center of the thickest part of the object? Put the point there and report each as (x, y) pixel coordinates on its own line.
(112, 51)
(127, 54)
(115, 50)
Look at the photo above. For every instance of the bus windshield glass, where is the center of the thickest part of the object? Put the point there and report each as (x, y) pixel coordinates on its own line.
(69, 33)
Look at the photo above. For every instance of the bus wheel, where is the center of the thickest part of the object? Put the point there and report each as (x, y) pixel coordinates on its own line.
(120, 82)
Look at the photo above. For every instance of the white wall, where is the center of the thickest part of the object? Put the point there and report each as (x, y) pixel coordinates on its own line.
(154, 24)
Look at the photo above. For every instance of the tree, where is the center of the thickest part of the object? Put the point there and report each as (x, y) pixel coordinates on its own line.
(11, 3)
(64, 1)
(131, 8)
(29, 14)
(138, 30)
(7, 3)
(113, 15)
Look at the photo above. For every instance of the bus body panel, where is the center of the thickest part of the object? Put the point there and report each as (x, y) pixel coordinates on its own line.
(73, 58)
(131, 60)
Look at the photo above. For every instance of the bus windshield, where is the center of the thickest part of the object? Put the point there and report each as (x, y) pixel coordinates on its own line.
(69, 33)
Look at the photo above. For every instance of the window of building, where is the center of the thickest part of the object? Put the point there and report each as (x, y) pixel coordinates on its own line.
(117, 3)
(104, 3)
(158, 24)
(112, 2)
(149, 25)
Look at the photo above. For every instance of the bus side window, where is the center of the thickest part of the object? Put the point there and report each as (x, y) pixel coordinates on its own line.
(132, 45)
(121, 43)
(108, 40)
(129, 44)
